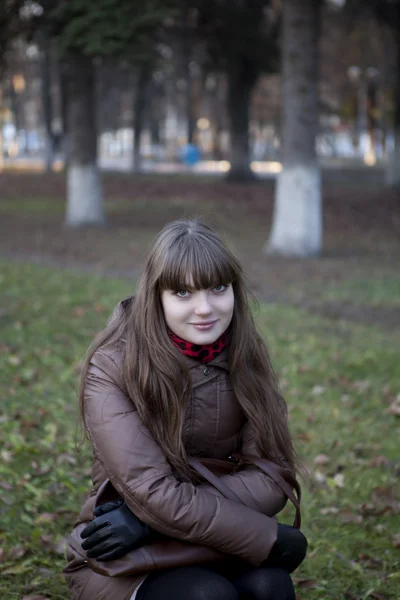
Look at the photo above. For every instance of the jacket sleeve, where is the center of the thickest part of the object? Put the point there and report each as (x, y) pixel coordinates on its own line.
(253, 487)
(139, 471)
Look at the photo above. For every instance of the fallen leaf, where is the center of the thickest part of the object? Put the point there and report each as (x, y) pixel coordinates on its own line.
(394, 408)
(6, 486)
(47, 538)
(339, 480)
(35, 597)
(379, 461)
(66, 458)
(317, 390)
(347, 516)
(329, 510)
(14, 360)
(60, 546)
(320, 477)
(361, 385)
(45, 517)
(16, 553)
(16, 569)
(45, 572)
(321, 459)
(396, 540)
(304, 436)
(384, 493)
(6, 456)
(368, 561)
(306, 584)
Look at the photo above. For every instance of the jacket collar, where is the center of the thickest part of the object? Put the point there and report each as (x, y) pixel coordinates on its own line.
(219, 361)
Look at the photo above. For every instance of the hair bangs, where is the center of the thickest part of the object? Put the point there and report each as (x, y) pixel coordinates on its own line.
(198, 264)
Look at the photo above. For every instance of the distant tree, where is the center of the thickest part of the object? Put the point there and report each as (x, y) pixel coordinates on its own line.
(9, 26)
(389, 12)
(386, 12)
(297, 219)
(241, 40)
(82, 32)
(119, 29)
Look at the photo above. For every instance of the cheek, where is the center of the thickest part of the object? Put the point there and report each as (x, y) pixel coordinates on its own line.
(173, 311)
(229, 303)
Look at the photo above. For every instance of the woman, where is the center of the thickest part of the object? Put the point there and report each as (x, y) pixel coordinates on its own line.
(180, 371)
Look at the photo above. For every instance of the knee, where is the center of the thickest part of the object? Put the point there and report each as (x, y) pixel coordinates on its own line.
(266, 583)
(202, 584)
(281, 585)
(290, 549)
(220, 590)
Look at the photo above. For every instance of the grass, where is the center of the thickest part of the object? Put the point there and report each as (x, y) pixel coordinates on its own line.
(339, 381)
(374, 292)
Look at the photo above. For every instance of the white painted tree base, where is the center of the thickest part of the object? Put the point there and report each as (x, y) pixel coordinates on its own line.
(84, 196)
(297, 220)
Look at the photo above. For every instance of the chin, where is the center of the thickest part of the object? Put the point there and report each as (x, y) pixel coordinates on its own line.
(202, 339)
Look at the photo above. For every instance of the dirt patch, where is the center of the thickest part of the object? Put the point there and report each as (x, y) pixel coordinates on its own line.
(361, 232)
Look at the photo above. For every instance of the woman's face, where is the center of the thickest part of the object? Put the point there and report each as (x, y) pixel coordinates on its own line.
(198, 316)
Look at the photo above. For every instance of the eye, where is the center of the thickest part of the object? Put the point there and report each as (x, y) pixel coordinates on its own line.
(220, 288)
(182, 294)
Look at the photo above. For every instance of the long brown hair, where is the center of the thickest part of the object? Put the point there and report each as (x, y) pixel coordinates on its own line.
(155, 372)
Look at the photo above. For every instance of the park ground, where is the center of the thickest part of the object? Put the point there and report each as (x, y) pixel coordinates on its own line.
(332, 325)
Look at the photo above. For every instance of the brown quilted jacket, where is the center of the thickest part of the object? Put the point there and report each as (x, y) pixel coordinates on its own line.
(127, 454)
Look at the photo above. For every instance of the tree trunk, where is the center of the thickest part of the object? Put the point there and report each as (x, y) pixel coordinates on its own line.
(297, 218)
(84, 190)
(240, 86)
(392, 175)
(47, 104)
(139, 106)
(62, 76)
(190, 112)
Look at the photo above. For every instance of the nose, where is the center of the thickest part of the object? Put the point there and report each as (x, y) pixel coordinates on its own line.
(203, 306)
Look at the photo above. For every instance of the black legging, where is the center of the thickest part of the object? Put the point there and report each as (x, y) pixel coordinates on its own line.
(199, 583)
(234, 579)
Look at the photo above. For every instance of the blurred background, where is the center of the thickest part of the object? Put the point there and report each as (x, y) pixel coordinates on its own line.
(278, 122)
(179, 73)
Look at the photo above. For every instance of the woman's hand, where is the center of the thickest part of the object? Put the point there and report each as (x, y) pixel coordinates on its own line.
(114, 532)
(289, 550)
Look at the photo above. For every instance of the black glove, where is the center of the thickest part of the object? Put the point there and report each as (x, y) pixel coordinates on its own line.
(114, 532)
(289, 550)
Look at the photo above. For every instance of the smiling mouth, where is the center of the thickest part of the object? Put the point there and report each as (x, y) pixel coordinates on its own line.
(204, 323)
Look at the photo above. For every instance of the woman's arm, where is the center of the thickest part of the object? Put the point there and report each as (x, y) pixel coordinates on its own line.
(253, 487)
(140, 473)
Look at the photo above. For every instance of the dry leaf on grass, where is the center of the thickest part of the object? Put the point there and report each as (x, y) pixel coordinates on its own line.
(45, 517)
(15, 553)
(6, 486)
(396, 540)
(379, 461)
(339, 480)
(347, 516)
(370, 562)
(321, 459)
(60, 546)
(35, 597)
(329, 510)
(306, 584)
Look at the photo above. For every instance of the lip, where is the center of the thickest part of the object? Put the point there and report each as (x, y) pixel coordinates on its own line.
(204, 325)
